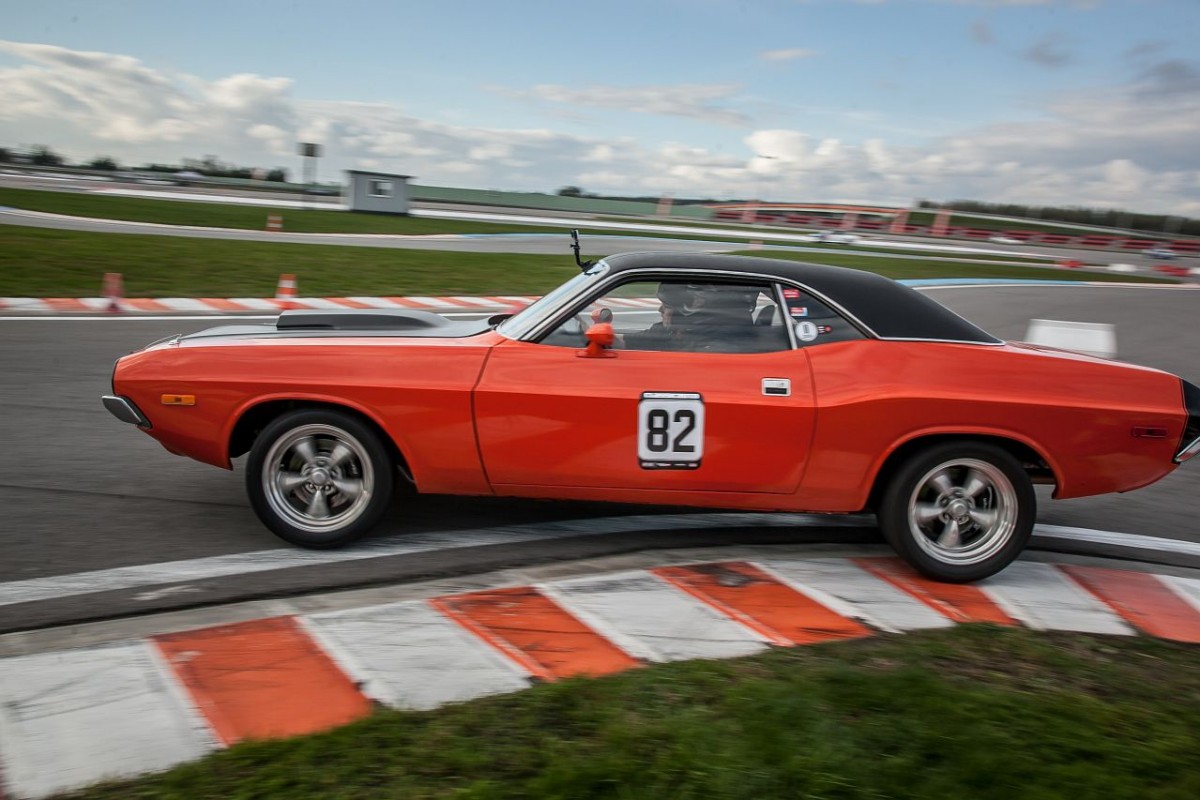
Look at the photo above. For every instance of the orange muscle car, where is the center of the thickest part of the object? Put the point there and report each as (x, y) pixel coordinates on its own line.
(668, 378)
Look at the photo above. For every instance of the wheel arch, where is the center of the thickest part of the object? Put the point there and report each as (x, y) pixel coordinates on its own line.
(1037, 466)
(254, 418)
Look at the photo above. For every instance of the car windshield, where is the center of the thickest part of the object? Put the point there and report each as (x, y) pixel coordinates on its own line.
(528, 318)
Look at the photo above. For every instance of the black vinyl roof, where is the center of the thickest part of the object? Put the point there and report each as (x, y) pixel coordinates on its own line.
(891, 310)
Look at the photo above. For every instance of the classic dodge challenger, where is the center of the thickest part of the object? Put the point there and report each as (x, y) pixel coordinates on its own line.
(668, 378)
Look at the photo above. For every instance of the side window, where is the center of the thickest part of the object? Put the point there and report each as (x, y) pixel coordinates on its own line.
(813, 322)
(679, 316)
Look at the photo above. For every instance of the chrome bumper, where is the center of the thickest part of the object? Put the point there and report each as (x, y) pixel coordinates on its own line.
(1191, 451)
(124, 410)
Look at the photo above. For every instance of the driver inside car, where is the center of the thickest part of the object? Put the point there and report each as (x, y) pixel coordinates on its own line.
(698, 318)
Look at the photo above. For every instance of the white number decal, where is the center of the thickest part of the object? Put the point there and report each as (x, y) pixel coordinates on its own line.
(670, 430)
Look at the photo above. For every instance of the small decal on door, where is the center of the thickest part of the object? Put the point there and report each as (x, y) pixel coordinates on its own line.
(670, 430)
(807, 331)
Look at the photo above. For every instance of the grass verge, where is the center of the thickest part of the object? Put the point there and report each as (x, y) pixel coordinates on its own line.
(972, 712)
(42, 262)
(242, 217)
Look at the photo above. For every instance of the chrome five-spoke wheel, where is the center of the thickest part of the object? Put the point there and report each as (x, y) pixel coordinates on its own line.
(318, 478)
(958, 511)
(963, 511)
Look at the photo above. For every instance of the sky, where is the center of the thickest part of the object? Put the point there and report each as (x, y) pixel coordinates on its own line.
(1045, 102)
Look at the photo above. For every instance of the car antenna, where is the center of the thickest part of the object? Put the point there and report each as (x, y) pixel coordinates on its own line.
(583, 265)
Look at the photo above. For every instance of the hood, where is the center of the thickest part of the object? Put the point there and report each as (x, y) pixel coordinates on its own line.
(366, 322)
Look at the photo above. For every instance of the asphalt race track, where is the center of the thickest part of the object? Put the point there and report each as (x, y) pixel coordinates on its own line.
(83, 492)
(92, 506)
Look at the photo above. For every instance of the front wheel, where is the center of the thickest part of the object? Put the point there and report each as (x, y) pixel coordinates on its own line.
(959, 511)
(318, 478)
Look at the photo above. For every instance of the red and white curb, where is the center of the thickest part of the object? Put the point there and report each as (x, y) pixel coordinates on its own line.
(225, 305)
(74, 717)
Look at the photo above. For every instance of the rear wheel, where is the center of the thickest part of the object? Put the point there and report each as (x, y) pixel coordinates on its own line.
(319, 478)
(959, 511)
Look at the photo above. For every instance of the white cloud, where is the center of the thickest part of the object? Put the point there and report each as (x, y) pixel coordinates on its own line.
(693, 101)
(1129, 145)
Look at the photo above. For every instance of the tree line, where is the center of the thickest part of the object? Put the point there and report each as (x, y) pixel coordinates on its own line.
(209, 166)
(1158, 224)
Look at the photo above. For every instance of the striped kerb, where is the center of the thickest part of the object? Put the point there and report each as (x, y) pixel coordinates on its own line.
(536, 632)
(959, 602)
(262, 679)
(760, 602)
(1142, 600)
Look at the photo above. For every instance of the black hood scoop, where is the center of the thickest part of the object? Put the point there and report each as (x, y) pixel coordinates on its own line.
(377, 322)
(362, 319)
(351, 322)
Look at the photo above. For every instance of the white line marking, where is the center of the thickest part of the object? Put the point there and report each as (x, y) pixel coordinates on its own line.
(1132, 540)
(82, 583)
(158, 594)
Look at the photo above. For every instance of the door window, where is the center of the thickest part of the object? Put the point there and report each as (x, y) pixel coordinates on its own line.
(679, 316)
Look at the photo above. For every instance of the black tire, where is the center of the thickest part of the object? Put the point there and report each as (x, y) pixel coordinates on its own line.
(319, 478)
(958, 511)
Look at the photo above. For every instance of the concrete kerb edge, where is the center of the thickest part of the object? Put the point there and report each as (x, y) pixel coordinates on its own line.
(1042, 549)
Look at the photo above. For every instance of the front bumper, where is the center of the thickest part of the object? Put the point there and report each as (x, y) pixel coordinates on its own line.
(125, 410)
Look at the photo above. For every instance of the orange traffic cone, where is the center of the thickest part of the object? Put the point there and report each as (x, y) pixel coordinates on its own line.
(274, 222)
(285, 292)
(113, 290)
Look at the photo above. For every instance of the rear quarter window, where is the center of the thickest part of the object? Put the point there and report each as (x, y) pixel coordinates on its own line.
(813, 322)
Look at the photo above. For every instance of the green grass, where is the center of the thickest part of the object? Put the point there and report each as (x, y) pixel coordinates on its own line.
(974, 712)
(221, 215)
(42, 262)
(38, 262)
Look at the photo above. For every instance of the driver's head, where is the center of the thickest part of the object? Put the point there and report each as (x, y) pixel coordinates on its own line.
(679, 298)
